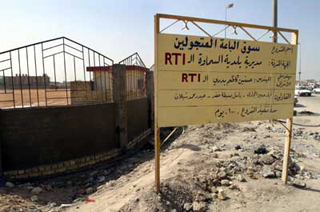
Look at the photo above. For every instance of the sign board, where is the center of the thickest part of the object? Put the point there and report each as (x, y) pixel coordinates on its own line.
(202, 80)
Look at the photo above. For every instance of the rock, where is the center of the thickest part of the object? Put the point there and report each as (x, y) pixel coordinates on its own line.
(214, 196)
(267, 172)
(214, 189)
(225, 182)
(248, 129)
(222, 175)
(234, 187)
(9, 185)
(299, 185)
(215, 149)
(198, 206)
(237, 147)
(65, 205)
(48, 187)
(187, 206)
(52, 204)
(222, 195)
(240, 178)
(261, 150)
(215, 155)
(34, 198)
(94, 173)
(36, 190)
(69, 183)
(267, 159)
(89, 190)
(102, 179)
(200, 197)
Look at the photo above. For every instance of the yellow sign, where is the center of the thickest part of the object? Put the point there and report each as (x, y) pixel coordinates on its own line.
(207, 80)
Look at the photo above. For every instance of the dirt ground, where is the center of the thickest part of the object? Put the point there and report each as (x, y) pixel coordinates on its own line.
(33, 98)
(218, 167)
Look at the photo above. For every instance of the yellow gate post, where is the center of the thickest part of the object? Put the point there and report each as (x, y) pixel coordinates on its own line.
(156, 128)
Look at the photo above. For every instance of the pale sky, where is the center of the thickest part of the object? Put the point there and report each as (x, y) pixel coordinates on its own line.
(118, 28)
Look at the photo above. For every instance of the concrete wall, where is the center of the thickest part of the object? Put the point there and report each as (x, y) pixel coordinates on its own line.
(39, 136)
(45, 141)
(138, 117)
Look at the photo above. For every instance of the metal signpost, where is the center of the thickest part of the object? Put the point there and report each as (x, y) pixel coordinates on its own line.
(205, 79)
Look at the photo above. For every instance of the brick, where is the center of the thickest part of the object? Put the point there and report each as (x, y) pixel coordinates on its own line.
(49, 172)
(35, 170)
(34, 174)
(20, 172)
(42, 168)
(12, 173)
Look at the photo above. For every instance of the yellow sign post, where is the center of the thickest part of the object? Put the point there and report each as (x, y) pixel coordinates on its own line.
(205, 79)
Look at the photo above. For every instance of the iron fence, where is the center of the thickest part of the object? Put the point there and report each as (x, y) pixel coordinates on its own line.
(51, 72)
(136, 76)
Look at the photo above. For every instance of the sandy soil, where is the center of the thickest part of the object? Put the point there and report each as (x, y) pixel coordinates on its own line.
(182, 159)
(33, 98)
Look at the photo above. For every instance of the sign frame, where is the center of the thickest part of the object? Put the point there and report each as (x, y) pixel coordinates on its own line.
(193, 20)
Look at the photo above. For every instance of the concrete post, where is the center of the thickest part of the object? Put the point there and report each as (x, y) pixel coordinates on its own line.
(120, 100)
(150, 96)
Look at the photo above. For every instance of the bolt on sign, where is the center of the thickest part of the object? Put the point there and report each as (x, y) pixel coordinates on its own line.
(206, 79)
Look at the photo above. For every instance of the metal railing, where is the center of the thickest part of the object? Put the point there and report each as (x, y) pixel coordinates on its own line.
(135, 76)
(133, 60)
(52, 72)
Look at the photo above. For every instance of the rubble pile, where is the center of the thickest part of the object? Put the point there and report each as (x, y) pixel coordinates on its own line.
(300, 133)
(212, 182)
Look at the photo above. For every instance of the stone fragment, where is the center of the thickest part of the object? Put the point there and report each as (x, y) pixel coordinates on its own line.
(34, 198)
(237, 147)
(234, 187)
(267, 172)
(102, 179)
(240, 178)
(215, 149)
(48, 187)
(200, 197)
(94, 173)
(299, 184)
(261, 150)
(215, 155)
(214, 196)
(198, 206)
(187, 206)
(9, 185)
(222, 195)
(267, 159)
(65, 206)
(89, 190)
(225, 182)
(214, 189)
(36, 190)
(222, 175)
